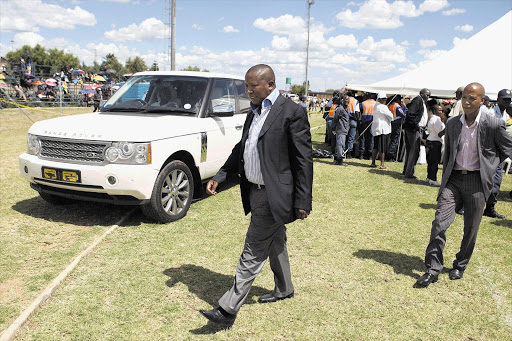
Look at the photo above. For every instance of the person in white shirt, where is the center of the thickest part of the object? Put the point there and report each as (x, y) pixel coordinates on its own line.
(457, 108)
(381, 130)
(435, 141)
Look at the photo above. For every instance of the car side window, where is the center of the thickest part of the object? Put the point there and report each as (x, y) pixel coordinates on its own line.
(223, 96)
(243, 99)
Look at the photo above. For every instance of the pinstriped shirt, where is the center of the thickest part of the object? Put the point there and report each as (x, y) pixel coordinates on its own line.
(251, 157)
(467, 150)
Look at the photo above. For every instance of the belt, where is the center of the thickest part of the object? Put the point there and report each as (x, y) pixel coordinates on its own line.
(256, 186)
(465, 171)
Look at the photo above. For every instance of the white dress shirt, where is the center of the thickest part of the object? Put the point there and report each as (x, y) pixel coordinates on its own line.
(435, 126)
(467, 150)
(252, 165)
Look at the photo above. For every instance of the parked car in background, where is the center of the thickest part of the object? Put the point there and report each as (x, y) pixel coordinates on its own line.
(152, 144)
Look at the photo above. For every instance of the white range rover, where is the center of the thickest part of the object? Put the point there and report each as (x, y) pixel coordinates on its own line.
(152, 144)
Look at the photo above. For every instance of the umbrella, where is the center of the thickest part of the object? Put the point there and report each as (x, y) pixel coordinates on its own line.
(80, 71)
(111, 71)
(38, 82)
(98, 78)
(86, 91)
(51, 82)
(2, 76)
(28, 75)
(4, 85)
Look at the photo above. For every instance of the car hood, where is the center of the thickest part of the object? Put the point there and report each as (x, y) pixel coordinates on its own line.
(120, 126)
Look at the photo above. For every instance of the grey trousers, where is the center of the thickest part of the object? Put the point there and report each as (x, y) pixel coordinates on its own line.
(265, 239)
(460, 191)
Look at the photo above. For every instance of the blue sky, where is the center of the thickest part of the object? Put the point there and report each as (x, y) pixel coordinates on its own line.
(350, 41)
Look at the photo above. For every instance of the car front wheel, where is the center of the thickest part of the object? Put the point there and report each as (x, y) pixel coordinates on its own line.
(172, 193)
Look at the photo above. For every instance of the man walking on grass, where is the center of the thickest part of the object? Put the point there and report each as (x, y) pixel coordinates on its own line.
(475, 144)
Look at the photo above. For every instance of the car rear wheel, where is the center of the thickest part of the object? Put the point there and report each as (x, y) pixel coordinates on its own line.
(172, 193)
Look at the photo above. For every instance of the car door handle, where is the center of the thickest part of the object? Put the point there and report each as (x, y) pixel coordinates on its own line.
(239, 126)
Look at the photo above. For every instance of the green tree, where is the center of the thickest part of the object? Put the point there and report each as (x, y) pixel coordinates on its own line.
(136, 64)
(298, 89)
(154, 67)
(111, 62)
(61, 60)
(329, 90)
(193, 68)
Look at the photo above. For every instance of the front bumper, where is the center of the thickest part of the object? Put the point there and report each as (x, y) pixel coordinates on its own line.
(133, 183)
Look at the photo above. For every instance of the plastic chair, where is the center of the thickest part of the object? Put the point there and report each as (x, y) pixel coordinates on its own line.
(507, 162)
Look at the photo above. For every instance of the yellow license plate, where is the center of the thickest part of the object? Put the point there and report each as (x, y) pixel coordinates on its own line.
(61, 174)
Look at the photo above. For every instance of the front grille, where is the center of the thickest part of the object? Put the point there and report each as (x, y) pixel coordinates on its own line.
(73, 151)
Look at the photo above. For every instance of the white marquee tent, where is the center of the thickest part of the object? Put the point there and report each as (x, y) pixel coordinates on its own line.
(485, 58)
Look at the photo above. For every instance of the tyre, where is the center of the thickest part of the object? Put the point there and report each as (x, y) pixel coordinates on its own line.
(172, 193)
(55, 199)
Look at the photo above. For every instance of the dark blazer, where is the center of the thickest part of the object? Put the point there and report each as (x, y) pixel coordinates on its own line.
(494, 146)
(285, 151)
(414, 114)
(340, 123)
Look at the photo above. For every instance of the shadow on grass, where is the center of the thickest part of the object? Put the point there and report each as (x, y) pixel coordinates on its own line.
(81, 213)
(208, 286)
(402, 264)
(503, 223)
(428, 206)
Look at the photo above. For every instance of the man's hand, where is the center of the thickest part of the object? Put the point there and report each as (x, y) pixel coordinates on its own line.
(211, 186)
(302, 214)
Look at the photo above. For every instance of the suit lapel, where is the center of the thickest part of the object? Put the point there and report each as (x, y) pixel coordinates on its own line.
(482, 128)
(247, 125)
(457, 130)
(276, 109)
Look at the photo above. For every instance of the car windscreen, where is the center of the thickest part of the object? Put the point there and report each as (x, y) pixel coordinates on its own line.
(166, 94)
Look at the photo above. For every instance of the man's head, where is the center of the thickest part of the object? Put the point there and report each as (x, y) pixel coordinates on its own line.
(472, 98)
(504, 98)
(260, 81)
(458, 92)
(337, 97)
(487, 101)
(425, 94)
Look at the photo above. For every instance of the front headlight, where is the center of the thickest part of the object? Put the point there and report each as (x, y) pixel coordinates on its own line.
(33, 144)
(129, 153)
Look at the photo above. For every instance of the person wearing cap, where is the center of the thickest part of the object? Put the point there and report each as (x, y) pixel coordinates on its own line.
(504, 99)
(381, 130)
(414, 126)
(475, 143)
(486, 106)
(457, 108)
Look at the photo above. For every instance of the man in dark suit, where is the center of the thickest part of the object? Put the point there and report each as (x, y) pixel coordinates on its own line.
(475, 143)
(275, 165)
(415, 123)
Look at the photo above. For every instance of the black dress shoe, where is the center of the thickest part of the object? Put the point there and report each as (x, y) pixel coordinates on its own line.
(456, 274)
(269, 298)
(493, 214)
(215, 315)
(425, 280)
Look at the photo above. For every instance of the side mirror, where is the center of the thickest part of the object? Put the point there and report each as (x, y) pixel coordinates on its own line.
(223, 111)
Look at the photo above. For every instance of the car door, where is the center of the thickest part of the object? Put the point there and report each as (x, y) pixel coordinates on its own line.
(226, 124)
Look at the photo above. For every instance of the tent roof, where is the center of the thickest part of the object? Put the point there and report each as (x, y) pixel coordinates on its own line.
(485, 58)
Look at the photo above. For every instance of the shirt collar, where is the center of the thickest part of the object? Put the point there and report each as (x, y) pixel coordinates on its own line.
(477, 119)
(268, 101)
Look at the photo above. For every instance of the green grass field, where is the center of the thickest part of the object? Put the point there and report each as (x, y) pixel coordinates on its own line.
(354, 262)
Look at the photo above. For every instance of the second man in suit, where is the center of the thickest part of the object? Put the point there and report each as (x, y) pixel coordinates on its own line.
(475, 143)
(275, 165)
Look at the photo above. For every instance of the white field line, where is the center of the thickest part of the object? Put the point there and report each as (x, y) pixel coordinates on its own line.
(10, 332)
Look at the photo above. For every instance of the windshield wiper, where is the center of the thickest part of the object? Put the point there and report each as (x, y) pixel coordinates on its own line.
(123, 109)
(170, 110)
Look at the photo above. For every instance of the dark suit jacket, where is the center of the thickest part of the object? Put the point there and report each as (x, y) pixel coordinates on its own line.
(340, 123)
(414, 114)
(494, 146)
(285, 152)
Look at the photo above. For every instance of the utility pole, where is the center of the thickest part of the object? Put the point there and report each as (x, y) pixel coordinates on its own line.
(173, 36)
(12, 45)
(306, 85)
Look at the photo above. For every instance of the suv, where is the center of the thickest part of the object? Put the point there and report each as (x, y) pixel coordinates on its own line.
(152, 144)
